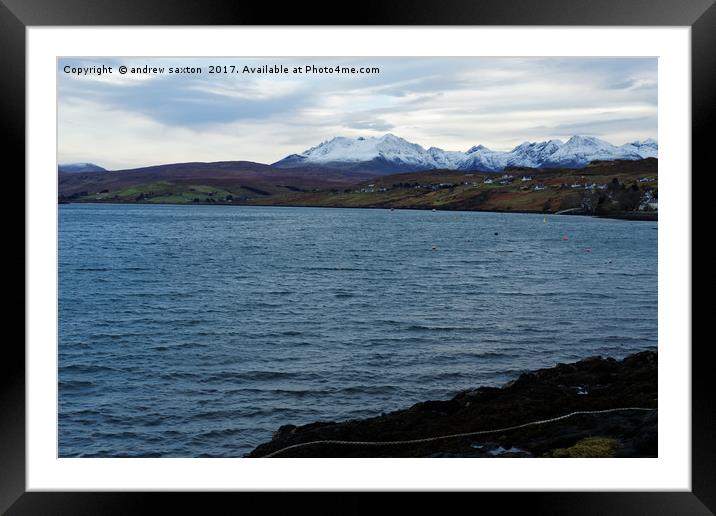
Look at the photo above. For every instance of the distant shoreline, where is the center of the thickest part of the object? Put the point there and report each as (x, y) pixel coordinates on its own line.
(634, 216)
(612, 189)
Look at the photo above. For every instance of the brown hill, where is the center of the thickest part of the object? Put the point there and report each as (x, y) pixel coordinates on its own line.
(589, 190)
(227, 175)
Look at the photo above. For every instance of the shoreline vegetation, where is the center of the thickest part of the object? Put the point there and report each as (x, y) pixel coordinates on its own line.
(612, 189)
(593, 384)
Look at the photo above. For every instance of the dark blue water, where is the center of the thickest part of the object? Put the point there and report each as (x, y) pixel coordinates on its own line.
(198, 330)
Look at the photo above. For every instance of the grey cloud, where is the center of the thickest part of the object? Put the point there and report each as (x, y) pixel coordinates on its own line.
(488, 99)
(374, 124)
(172, 102)
(602, 128)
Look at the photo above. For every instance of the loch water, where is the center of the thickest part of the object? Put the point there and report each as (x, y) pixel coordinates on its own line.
(196, 331)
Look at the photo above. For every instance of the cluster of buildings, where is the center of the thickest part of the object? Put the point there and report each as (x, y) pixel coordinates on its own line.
(506, 179)
(584, 186)
(649, 202)
(371, 189)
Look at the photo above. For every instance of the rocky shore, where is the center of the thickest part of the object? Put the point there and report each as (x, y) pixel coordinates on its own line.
(593, 384)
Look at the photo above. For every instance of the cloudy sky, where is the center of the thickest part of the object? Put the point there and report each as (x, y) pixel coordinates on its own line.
(123, 121)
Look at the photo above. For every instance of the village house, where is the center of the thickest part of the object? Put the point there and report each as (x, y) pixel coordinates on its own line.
(648, 201)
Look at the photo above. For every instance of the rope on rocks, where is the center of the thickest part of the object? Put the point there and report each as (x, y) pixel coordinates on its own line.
(452, 436)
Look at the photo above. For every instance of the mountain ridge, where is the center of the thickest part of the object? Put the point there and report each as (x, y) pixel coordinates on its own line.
(79, 167)
(393, 153)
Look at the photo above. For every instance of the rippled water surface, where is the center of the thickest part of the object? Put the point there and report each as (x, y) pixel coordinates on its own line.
(199, 330)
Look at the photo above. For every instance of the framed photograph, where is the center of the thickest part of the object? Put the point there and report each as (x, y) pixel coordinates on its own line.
(437, 248)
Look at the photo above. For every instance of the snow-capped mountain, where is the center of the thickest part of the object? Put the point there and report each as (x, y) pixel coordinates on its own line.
(480, 157)
(79, 167)
(388, 151)
(390, 154)
(529, 154)
(579, 151)
(646, 149)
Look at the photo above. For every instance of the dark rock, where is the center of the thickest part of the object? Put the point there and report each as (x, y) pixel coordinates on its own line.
(591, 384)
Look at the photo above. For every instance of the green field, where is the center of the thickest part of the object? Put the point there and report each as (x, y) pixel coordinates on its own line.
(166, 192)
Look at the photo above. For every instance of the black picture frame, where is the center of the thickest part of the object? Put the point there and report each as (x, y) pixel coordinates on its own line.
(17, 15)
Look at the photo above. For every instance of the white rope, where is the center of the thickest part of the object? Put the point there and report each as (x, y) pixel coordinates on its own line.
(464, 434)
